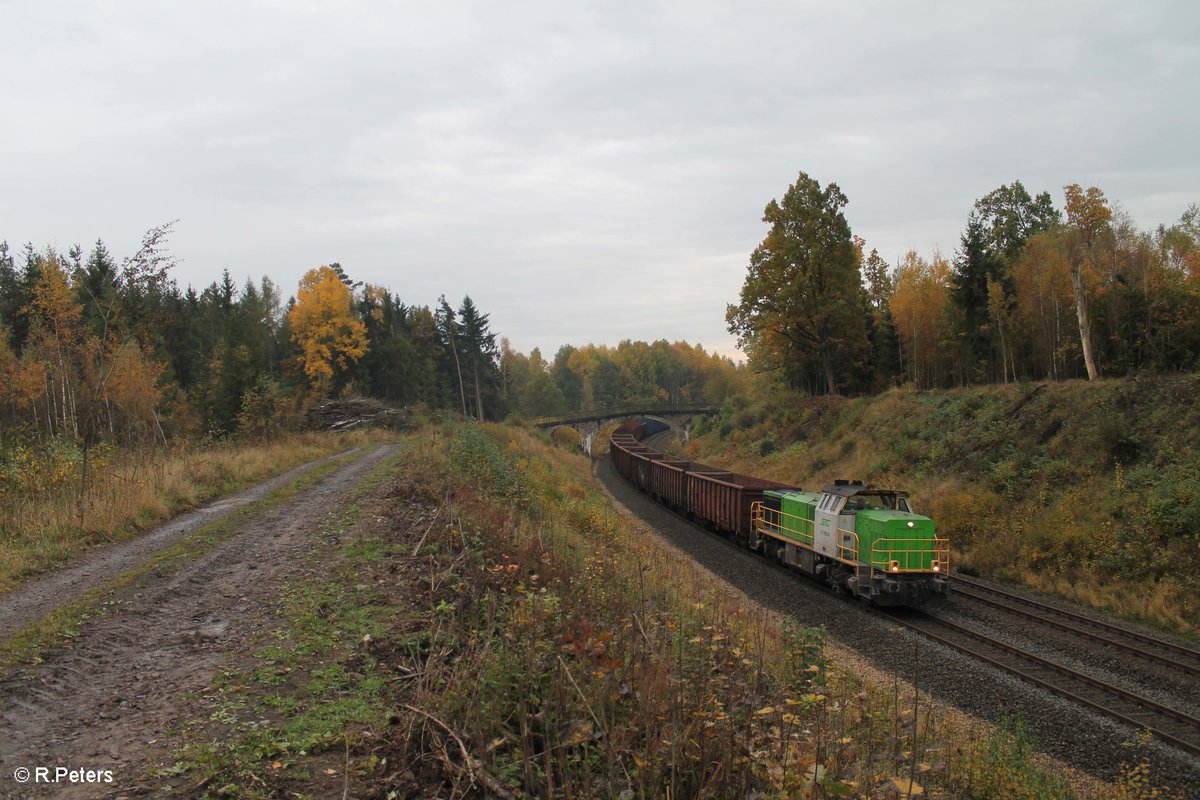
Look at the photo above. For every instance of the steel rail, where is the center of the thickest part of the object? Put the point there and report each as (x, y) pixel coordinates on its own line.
(1150, 717)
(1169, 725)
(1013, 601)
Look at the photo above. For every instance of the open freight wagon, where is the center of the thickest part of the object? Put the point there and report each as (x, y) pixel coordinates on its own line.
(860, 539)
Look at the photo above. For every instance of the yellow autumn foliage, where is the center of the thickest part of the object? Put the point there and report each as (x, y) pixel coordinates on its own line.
(325, 328)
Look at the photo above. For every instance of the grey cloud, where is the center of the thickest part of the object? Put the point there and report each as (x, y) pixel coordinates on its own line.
(568, 164)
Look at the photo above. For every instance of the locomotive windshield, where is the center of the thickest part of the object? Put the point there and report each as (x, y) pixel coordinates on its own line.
(891, 501)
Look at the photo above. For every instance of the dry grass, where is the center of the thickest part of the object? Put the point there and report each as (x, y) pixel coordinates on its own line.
(129, 491)
(537, 643)
(593, 659)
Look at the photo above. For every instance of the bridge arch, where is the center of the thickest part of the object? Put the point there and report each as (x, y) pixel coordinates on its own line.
(589, 423)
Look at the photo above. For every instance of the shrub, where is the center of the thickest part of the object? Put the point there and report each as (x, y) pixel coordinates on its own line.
(968, 515)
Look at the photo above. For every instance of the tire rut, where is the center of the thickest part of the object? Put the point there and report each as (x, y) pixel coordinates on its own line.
(105, 701)
(39, 596)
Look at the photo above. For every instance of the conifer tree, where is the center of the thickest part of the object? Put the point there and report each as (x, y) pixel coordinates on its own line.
(479, 352)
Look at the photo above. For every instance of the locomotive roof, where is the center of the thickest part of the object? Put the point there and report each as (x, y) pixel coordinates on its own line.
(851, 488)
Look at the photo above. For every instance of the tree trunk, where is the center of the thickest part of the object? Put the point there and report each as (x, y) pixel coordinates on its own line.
(1003, 352)
(830, 379)
(462, 392)
(1085, 336)
(478, 395)
(1054, 355)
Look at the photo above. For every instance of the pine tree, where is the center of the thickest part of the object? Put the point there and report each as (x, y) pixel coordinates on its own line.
(449, 328)
(12, 297)
(98, 287)
(480, 355)
(975, 267)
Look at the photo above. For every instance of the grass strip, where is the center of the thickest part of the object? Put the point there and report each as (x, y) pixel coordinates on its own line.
(48, 517)
(65, 622)
(316, 679)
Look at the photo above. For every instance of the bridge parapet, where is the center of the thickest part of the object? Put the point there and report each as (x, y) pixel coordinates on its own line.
(588, 423)
(620, 412)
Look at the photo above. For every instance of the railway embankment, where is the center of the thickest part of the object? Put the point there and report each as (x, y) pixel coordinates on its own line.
(1090, 491)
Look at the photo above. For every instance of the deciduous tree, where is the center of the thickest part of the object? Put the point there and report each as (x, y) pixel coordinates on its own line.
(1088, 215)
(801, 305)
(325, 329)
(1042, 277)
(920, 307)
(1008, 216)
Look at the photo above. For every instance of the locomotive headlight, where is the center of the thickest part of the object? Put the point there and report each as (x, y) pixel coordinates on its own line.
(937, 567)
(910, 524)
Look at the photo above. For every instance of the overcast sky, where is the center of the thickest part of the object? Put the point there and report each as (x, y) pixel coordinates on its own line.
(586, 172)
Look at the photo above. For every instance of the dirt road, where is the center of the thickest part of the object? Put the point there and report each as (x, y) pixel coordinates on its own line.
(103, 702)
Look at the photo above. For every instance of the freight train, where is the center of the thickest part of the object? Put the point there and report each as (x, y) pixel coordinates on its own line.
(860, 540)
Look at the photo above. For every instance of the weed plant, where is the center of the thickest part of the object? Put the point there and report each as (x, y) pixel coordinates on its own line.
(583, 658)
(493, 628)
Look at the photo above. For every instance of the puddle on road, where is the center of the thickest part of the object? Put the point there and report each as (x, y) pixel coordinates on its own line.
(222, 505)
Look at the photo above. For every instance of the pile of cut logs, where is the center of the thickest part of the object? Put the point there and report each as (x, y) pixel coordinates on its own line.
(343, 415)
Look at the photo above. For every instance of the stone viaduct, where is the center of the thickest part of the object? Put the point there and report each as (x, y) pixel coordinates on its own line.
(588, 423)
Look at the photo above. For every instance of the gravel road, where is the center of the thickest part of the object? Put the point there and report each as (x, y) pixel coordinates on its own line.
(103, 702)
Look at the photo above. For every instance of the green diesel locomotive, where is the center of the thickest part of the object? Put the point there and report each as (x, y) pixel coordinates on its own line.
(862, 540)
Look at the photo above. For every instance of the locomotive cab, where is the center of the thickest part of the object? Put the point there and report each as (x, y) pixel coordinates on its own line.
(885, 552)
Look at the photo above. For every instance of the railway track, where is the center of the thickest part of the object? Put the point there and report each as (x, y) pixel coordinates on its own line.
(1166, 724)
(1178, 657)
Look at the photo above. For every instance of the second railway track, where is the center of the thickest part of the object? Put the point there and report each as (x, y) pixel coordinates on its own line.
(1064, 722)
(1178, 657)
(1169, 725)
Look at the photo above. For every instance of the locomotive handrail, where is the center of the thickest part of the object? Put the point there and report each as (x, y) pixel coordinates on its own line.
(884, 554)
(847, 554)
(759, 517)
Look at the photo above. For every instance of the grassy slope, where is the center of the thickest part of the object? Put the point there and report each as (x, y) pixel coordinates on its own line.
(477, 614)
(1088, 490)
